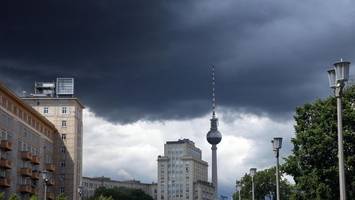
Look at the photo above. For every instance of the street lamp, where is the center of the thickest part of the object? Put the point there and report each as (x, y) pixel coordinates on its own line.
(276, 145)
(337, 78)
(80, 191)
(45, 179)
(238, 186)
(252, 174)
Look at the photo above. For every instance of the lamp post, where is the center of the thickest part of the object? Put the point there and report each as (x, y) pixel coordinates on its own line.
(45, 179)
(337, 78)
(238, 186)
(276, 145)
(80, 191)
(252, 174)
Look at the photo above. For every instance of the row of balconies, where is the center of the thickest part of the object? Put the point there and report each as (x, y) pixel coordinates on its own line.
(27, 188)
(24, 188)
(26, 155)
(25, 171)
(7, 164)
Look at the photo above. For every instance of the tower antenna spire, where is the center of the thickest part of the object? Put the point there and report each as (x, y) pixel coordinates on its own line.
(214, 136)
(213, 93)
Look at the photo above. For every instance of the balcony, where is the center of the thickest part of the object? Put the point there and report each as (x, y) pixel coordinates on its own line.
(26, 155)
(50, 167)
(35, 160)
(50, 182)
(50, 195)
(5, 164)
(35, 175)
(5, 182)
(25, 188)
(6, 145)
(26, 171)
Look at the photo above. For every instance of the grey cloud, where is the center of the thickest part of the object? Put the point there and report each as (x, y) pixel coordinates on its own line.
(150, 59)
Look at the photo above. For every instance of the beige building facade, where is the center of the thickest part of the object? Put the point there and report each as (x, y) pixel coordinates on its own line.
(91, 184)
(27, 148)
(66, 114)
(181, 172)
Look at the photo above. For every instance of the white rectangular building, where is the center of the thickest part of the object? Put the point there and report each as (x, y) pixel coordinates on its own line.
(181, 171)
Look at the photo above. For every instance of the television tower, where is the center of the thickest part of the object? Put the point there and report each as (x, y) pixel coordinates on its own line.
(214, 137)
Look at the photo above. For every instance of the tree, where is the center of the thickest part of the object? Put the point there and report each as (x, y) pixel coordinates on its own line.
(61, 197)
(34, 197)
(314, 162)
(14, 197)
(121, 193)
(2, 196)
(265, 185)
(103, 198)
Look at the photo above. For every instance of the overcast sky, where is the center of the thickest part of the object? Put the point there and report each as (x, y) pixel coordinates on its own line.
(142, 68)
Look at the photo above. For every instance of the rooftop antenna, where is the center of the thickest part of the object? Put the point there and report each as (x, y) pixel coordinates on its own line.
(213, 93)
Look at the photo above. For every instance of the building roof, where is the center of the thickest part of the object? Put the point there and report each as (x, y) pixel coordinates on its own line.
(26, 106)
(181, 141)
(108, 179)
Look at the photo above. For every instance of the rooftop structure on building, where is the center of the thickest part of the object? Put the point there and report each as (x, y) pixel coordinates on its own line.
(62, 87)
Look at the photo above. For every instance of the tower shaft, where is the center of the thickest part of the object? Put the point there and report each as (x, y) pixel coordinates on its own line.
(214, 168)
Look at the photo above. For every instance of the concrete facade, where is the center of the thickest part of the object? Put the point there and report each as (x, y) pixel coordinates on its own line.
(66, 115)
(91, 184)
(180, 171)
(27, 148)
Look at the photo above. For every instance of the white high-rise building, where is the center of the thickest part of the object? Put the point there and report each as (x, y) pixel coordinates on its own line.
(182, 174)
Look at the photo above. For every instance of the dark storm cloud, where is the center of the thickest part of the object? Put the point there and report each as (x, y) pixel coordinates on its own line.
(150, 59)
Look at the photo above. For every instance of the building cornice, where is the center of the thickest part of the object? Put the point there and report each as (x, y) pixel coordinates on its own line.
(55, 98)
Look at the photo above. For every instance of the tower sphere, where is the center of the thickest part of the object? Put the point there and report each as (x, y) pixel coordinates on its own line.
(214, 136)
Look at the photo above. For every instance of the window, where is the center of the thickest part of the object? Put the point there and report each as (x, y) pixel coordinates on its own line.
(62, 149)
(64, 123)
(64, 136)
(45, 110)
(64, 110)
(61, 190)
(62, 164)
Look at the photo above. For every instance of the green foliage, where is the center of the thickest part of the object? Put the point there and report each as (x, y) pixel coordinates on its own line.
(34, 197)
(61, 197)
(120, 193)
(14, 197)
(265, 186)
(103, 198)
(314, 161)
(2, 196)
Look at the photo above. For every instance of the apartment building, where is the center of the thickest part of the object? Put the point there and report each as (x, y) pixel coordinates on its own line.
(182, 174)
(91, 184)
(56, 102)
(27, 148)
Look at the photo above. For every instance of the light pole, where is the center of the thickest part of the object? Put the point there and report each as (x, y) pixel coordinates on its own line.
(252, 174)
(80, 191)
(45, 179)
(238, 186)
(276, 145)
(337, 78)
